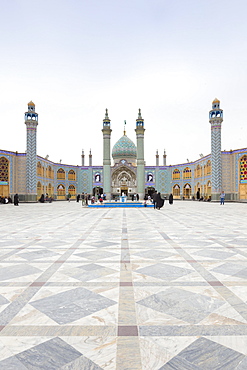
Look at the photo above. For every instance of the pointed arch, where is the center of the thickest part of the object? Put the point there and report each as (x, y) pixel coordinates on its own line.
(176, 174)
(71, 175)
(61, 174)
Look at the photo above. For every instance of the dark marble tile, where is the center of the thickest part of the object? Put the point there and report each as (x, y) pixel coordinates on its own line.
(183, 305)
(16, 271)
(72, 305)
(12, 363)
(42, 253)
(52, 354)
(164, 271)
(205, 354)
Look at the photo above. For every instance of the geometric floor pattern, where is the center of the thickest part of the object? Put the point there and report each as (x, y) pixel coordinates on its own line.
(138, 288)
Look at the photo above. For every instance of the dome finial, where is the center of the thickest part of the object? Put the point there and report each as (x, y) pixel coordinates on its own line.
(106, 114)
(139, 113)
(124, 127)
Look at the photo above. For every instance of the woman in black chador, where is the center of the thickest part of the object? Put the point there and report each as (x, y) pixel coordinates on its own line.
(159, 201)
(170, 199)
(42, 199)
(16, 200)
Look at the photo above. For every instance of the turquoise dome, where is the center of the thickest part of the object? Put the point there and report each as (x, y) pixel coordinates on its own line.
(124, 148)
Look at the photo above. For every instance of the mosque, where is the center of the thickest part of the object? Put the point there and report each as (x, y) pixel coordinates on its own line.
(30, 175)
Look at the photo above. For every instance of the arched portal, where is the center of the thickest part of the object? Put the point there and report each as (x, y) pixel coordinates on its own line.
(4, 177)
(124, 181)
(61, 191)
(97, 191)
(243, 177)
(187, 191)
(71, 191)
(150, 190)
(176, 191)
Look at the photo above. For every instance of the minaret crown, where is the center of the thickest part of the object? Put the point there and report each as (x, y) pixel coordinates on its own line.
(106, 121)
(31, 106)
(216, 113)
(31, 116)
(140, 120)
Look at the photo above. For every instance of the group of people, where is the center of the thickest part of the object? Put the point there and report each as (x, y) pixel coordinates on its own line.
(135, 197)
(8, 200)
(158, 202)
(45, 198)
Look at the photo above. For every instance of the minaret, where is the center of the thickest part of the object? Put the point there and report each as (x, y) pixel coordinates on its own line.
(31, 122)
(157, 158)
(90, 158)
(107, 155)
(164, 158)
(140, 155)
(82, 158)
(216, 119)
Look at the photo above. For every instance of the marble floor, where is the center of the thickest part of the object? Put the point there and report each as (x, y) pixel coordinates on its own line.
(122, 288)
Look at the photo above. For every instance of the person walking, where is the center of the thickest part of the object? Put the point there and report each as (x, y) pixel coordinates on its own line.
(16, 200)
(155, 198)
(222, 197)
(170, 199)
(159, 201)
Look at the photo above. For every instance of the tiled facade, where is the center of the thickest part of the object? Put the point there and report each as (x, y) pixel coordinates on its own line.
(183, 180)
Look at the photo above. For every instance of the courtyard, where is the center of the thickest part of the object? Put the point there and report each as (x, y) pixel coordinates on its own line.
(110, 288)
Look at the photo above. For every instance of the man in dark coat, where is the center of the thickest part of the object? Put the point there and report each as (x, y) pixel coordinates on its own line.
(170, 199)
(16, 200)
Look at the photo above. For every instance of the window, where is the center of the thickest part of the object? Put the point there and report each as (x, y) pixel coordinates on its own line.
(176, 174)
(243, 168)
(4, 169)
(187, 173)
(61, 174)
(71, 175)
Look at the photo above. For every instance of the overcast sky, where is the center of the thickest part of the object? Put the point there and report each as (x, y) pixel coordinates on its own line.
(75, 58)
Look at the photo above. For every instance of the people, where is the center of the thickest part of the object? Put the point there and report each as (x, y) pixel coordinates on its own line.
(222, 197)
(170, 199)
(159, 201)
(42, 199)
(198, 194)
(78, 198)
(16, 200)
(154, 196)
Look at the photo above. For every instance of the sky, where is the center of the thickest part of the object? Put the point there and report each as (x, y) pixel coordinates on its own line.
(75, 58)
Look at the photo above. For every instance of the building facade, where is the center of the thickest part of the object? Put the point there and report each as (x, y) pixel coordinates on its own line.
(124, 170)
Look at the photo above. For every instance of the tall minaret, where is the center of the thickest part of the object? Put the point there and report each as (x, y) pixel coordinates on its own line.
(157, 158)
(140, 155)
(82, 158)
(164, 158)
(107, 155)
(90, 158)
(216, 119)
(31, 122)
